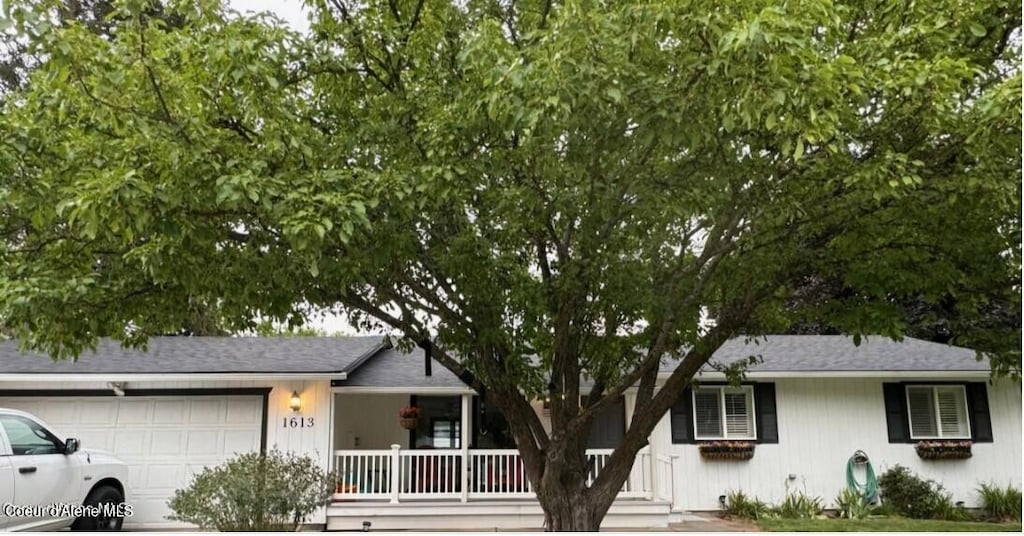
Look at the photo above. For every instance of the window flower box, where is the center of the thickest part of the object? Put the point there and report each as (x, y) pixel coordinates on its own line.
(727, 450)
(943, 450)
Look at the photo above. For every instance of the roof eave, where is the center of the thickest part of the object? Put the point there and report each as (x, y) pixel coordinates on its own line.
(433, 390)
(885, 374)
(64, 377)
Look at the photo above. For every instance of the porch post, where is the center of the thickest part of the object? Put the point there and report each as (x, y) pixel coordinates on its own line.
(652, 470)
(467, 422)
(633, 483)
(396, 478)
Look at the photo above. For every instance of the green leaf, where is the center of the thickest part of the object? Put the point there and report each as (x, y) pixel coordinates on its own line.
(614, 93)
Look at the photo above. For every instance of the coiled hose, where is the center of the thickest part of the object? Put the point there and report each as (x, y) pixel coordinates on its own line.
(869, 489)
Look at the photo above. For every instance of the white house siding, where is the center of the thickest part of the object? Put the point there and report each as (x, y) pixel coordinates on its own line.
(822, 422)
(369, 421)
(315, 441)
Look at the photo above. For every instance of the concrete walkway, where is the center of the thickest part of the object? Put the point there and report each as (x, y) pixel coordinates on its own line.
(711, 523)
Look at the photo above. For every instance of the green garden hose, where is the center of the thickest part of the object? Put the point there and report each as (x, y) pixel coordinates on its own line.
(869, 489)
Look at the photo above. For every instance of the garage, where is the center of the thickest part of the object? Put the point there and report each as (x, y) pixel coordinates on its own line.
(165, 439)
(184, 403)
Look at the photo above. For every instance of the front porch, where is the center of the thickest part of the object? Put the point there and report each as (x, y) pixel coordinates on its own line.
(455, 468)
(399, 489)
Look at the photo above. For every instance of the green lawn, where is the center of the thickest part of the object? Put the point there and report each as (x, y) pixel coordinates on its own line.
(888, 524)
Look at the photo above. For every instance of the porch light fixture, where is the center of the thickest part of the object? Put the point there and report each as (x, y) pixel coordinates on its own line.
(296, 402)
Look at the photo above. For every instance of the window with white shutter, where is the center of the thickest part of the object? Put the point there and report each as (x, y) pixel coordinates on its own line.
(724, 413)
(706, 415)
(937, 412)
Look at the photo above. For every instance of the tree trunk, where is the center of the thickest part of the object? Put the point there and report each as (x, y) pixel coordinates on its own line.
(571, 514)
(568, 504)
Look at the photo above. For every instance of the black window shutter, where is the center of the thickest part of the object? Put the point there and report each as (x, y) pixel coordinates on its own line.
(767, 416)
(977, 408)
(896, 419)
(682, 418)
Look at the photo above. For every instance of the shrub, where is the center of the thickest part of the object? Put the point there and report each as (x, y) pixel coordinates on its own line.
(852, 505)
(1000, 504)
(254, 492)
(882, 509)
(911, 496)
(906, 492)
(799, 506)
(738, 505)
(943, 508)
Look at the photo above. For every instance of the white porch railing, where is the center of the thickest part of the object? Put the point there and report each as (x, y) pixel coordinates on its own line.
(498, 473)
(398, 474)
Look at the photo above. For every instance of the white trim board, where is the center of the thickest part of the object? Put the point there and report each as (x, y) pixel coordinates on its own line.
(883, 374)
(161, 377)
(402, 390)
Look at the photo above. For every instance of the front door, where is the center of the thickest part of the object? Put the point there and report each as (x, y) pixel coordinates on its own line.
(440, 423)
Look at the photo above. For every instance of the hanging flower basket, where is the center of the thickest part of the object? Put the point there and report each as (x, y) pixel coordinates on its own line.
(409, 417)
(943, 450)
(727, 450)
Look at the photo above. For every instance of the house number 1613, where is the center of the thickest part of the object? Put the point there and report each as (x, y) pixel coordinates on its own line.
(298, 422)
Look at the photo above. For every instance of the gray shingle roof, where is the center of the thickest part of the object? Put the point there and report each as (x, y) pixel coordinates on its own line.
(837, 353)
(370, 364)
(781, 353)
(394, 368)
(180, 355)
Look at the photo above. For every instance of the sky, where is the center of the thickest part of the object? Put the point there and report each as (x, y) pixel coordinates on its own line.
(292, 11)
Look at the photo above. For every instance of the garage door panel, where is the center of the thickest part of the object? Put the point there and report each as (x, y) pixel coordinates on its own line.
(164, 440)
(240, 412)
(93, 412)
(136, 475)
(238, 442)
(93, 439)
(169, 411)
(164, 477)
(206, 412)
(204, 443)
(59, 415)
(134, 411)
(130, 442)
(167, 442)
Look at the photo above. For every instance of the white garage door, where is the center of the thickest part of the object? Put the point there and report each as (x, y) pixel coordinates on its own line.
(165, 440)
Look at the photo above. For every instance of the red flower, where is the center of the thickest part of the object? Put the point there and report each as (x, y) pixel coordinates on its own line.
(409, 412)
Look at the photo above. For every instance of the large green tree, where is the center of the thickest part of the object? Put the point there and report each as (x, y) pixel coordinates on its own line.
(18, 57)
(600, 184)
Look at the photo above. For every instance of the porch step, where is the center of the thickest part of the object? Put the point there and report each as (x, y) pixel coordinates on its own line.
(481, 515)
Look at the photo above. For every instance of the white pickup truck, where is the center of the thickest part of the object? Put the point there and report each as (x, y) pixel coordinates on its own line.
(47, 483)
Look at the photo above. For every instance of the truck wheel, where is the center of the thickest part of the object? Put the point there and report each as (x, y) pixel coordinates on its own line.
(103, 496)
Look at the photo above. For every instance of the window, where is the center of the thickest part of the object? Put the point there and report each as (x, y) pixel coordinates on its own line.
(447, 434)
(755, 401)
(723, 412)
(27, 437)
(937, 411)
(916, 411)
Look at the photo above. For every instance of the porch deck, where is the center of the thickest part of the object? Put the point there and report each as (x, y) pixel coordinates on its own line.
(399, 489)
